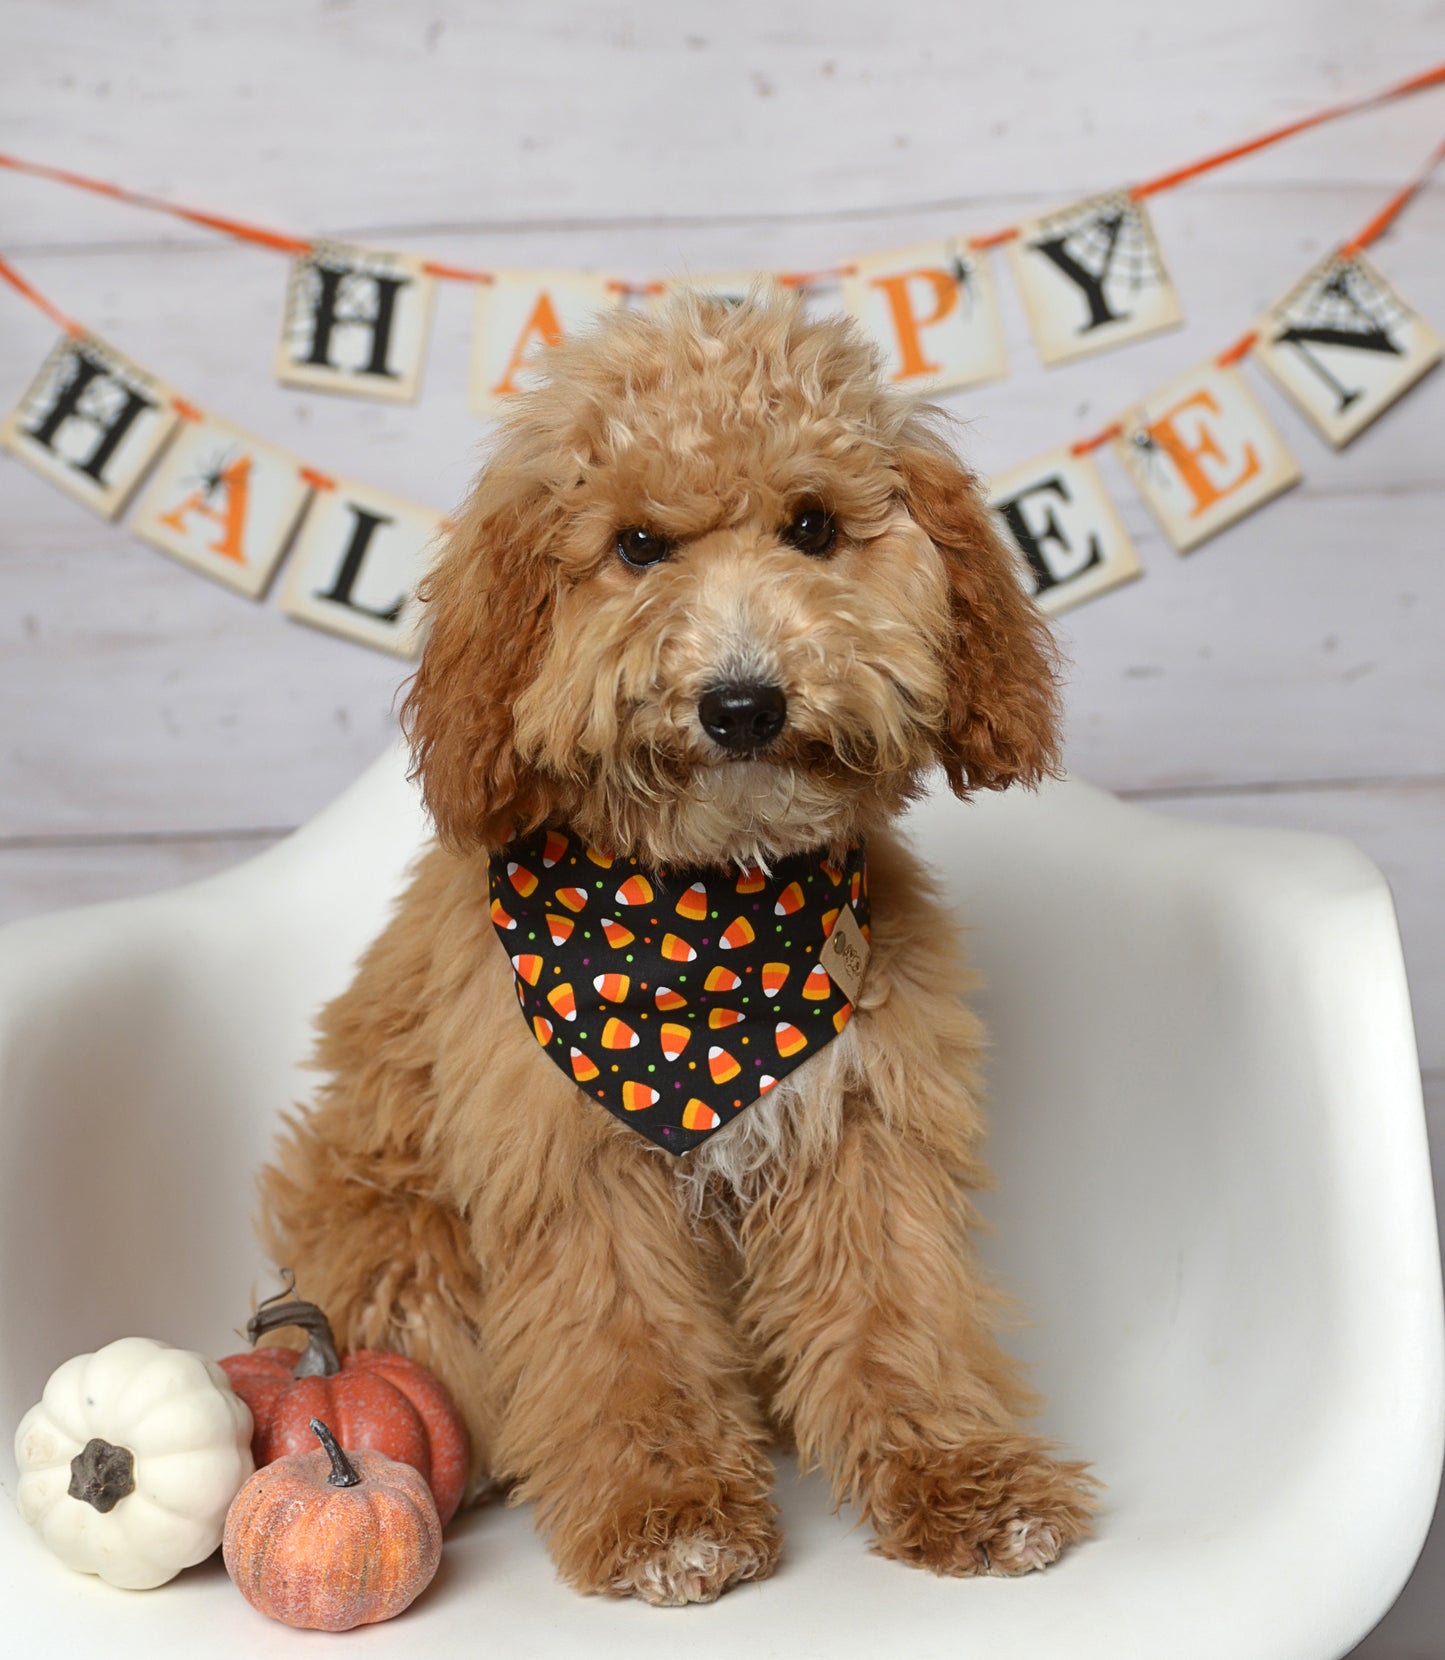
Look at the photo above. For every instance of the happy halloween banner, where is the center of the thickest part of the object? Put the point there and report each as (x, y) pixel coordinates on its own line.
(1341, 344)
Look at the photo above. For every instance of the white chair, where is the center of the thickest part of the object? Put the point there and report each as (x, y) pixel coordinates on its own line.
(1213, 1201)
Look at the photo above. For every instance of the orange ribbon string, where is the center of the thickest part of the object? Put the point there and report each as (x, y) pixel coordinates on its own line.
(1206, 164)
(54, 313)
(212, 221)
(1238, 351)
(1392, 209)
(1086, 445)
(262, 237)
(1375, 229)
(1180, 175)
(455, 273)
(994, 239)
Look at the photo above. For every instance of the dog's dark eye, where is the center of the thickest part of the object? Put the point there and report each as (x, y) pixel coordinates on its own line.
(636, 546)
(812, 531)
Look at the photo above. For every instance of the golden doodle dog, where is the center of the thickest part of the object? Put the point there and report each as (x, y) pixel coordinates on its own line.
(718, 603)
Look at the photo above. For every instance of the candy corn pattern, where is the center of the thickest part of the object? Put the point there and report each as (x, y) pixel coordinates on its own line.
(677, 950)
(698, 1115)
(739, 932)
(789, 1039)
(672, 999)
(723, 1066)
(617, 1034)
(693, 904)
(789, 900)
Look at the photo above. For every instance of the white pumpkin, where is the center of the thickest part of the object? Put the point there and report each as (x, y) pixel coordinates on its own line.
(130, 1461)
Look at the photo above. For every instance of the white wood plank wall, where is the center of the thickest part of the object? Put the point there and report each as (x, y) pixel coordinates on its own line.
(156, 727)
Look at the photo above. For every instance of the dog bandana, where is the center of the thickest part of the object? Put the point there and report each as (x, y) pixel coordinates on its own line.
(677, 1000)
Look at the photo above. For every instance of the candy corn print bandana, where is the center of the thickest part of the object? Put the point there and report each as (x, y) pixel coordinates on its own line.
(676, 1001)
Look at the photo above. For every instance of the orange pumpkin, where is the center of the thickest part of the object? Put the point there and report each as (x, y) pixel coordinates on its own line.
(330, 1541)
(375, 1400)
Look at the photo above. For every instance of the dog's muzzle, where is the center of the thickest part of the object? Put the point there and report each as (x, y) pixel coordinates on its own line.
(744, 716)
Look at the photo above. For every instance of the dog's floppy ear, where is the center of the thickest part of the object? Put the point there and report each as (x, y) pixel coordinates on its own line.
(489, 601)
(1002, 721)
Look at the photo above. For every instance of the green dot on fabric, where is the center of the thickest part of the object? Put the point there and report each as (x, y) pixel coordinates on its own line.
(629, 956)
(652, 1069)
(531, 936)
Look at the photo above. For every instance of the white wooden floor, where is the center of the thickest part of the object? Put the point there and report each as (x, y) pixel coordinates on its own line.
(156, 727)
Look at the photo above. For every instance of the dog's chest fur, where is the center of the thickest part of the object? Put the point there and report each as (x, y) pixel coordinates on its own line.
(797, 1122)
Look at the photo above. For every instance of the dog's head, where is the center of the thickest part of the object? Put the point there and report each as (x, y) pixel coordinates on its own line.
(719, 594)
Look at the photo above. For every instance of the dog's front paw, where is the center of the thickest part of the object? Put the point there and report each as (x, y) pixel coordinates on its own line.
(693, 1567)
(672, 1553)
(997, 1505)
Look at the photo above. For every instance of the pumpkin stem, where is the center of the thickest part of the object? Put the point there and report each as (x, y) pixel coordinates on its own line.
(102, 1475)
(343, 1471)
(319, 1359)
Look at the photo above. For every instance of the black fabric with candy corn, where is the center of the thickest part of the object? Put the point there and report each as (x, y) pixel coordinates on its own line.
(674, 1000)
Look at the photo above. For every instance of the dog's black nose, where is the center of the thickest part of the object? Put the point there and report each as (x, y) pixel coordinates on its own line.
(743, 716)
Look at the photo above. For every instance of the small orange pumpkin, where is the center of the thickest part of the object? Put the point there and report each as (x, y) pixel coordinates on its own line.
(330, 1541)
(371, 1397)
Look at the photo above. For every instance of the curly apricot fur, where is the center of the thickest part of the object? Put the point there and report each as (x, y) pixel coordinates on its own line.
(623, 1331)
